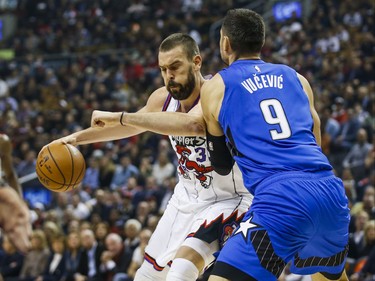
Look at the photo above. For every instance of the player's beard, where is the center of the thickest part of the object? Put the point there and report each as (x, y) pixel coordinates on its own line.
(182, 92)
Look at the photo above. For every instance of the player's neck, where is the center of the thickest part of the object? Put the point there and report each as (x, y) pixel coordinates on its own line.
(244, 57)
(190, 102)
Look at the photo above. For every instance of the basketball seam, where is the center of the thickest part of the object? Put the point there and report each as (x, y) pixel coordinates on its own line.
(57, 166)
(80, 173)
(71, 159)
(46, 176)
(43, 174)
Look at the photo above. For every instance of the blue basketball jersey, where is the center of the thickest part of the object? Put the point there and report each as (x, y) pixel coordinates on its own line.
(265, 115)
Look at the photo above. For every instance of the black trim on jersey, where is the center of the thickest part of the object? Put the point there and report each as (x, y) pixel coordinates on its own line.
(167, 102)
(331, 276)
(231, 145)
(334, 260)
(265, 252)
(220, 157)
(230, 272)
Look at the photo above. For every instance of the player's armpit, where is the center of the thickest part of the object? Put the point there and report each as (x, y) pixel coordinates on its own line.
(220, 157)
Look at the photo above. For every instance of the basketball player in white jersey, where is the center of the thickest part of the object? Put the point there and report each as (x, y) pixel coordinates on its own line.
(205, 207)
(14, 214)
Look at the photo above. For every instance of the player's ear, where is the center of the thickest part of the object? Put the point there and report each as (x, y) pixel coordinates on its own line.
(197, 62)
(226, 44)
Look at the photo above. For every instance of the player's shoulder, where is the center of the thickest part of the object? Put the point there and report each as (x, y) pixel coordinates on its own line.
(157, 99)
(213, 83)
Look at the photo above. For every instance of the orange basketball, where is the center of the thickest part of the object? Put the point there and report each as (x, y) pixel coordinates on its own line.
(60, 167)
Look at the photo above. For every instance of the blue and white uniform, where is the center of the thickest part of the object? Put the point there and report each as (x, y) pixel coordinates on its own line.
(299, 212)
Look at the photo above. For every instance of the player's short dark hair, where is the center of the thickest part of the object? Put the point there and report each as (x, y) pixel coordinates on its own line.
(245, 30)
(180, 39)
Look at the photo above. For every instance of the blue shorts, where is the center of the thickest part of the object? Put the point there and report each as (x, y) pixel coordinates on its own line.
(302, 218)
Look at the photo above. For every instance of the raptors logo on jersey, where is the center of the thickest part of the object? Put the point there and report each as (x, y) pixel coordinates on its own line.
(186, 166)
(198, 182)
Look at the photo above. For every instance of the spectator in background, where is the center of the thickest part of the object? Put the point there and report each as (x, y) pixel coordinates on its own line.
(36, 259)
(51, 230)
(369, 239)
(330, 129)
(106, 171)
(10, 260)
(152, 222)
(367, 204)
(355, 159)
(72, 255)
(370, 157)
(138, 255)
(356, 236)
(362, 269)
(27, 166)
(142, 212)
(124, 170)
(132, 228)
(91, 177)
(339, 111)
(345, 140)
(115, 221)
(80, 209)
(116, 259)
(350, 186)
(162, 168)
(100, 205)
(55, 268)
(101, 230)
(88, 267)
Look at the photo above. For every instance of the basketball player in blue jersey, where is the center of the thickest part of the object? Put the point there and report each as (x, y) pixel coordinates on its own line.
(264, 112)
(205, 207)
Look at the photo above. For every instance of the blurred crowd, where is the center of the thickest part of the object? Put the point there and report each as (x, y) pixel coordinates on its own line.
(72, 57)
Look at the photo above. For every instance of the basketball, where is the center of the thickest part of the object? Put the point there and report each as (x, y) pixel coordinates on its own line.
(60, 167)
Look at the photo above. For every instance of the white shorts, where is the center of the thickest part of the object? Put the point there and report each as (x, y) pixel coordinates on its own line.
(210, 222)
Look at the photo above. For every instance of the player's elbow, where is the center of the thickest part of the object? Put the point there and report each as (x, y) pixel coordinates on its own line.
(223, 170)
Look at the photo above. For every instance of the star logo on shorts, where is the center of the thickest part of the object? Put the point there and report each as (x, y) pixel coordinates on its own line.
(244, 228)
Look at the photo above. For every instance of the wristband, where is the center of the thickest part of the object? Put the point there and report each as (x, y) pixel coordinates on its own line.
(122, 115)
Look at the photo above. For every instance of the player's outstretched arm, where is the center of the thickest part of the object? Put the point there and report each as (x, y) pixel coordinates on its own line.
(166, 123)
(101, 134)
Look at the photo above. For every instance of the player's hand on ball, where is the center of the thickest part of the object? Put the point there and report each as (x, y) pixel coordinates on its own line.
(105, 118)
(68, 140)
(64, 140)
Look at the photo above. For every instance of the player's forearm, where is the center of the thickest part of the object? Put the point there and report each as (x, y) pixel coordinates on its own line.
(10, 173)
(13, 182)
(167, 123)
(99, 134)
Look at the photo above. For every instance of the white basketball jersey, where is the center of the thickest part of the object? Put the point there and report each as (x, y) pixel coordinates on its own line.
(200, 182)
